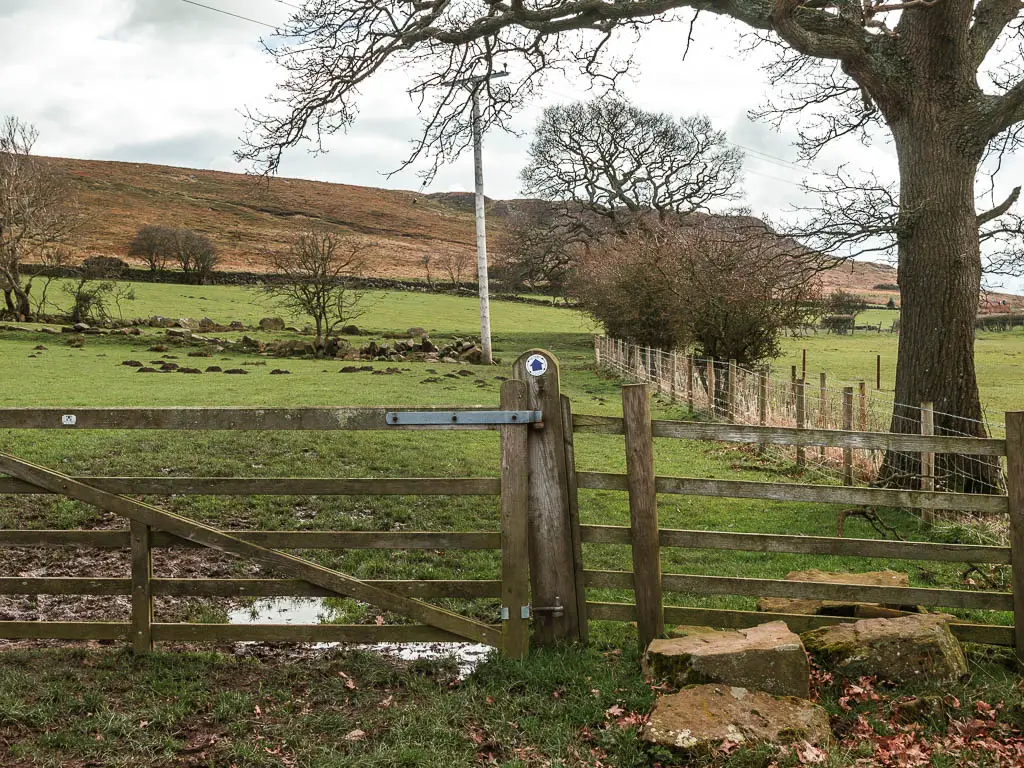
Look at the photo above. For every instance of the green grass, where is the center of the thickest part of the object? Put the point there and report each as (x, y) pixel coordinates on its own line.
(50, 709)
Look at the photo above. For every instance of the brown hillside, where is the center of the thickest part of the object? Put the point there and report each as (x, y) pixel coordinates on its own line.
(246, 217)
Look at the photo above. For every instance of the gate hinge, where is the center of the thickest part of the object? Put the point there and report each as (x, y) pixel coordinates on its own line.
(555, 610)
(402, 418)
(524, 612)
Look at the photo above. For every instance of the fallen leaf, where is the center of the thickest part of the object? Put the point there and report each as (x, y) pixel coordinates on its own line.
(356, 735)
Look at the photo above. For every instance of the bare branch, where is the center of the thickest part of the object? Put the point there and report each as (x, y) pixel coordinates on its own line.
(1000, 209)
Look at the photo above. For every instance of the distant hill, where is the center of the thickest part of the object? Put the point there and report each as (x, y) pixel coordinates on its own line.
(246, 216)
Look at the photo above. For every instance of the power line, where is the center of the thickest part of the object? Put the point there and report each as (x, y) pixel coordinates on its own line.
(229, 13)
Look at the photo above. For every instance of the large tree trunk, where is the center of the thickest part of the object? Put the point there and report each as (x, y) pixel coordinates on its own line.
(940, 281)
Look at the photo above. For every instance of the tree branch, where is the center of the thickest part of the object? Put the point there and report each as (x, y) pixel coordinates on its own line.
(815, 33)
(1000, 209)
(990, 19)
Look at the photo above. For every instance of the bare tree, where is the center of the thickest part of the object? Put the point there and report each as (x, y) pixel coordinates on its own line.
(36, 214)
(154, 244)
(612, 158)
(456, 264)
(196, 255)
(538, 248)
(317, 277)
(944, 76)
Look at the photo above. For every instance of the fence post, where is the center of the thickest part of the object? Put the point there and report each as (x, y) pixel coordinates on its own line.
(801, 417)
(673, 392)
(552, 576)
(712, 388)
(878, 372)
(142, 588)
(927, 460)
(1015, 500)
(643, 513)
(847, 426)
(515, 559)
(732, 391)
(862, 396)
(597, 350)
(689, 382)
(762, 404)
(822, 407)
(574, 517)
(803, 364)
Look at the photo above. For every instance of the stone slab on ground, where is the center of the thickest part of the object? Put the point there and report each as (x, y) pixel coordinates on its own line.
(855, 609)
(768, 657)
(902, 649)
(699, 718)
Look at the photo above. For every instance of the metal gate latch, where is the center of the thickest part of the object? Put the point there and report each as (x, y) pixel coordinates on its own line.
(396, 418)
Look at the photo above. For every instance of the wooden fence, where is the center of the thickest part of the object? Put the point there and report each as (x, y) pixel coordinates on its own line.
(151, 528)
(540, 531)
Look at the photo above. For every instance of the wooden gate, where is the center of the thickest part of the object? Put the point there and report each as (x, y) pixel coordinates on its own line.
(152, 526)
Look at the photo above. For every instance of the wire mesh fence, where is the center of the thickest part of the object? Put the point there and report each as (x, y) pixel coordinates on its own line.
(724, 391)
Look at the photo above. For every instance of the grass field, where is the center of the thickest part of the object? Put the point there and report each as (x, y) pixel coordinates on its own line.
(67, 707)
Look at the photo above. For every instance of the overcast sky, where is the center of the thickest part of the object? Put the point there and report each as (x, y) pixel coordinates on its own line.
(163, 81)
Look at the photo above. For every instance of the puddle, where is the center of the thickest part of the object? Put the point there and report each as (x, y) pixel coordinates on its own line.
(313, 610)
(308, 610)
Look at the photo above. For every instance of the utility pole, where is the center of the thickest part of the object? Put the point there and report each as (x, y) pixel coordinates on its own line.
(473, 84)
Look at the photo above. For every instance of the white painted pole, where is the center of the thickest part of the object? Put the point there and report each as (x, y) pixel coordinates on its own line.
(481, 237)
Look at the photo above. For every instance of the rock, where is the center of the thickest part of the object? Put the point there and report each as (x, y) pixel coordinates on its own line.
(241, 371)
(76, 341)
(449, 360)
(902, 649)
(271, 324)
(427, 346)
(200, 353)
(698, 719)
(80, 327)
(50, 331)
(132, 363)
(236, 325)
(768, 658)
(187, 323)
(416, 331)
(838, 607)
(158, 322)
(206, 325)
(157, 348)
(178, 333)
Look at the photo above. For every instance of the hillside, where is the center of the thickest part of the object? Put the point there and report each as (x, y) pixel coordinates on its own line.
(245, 217)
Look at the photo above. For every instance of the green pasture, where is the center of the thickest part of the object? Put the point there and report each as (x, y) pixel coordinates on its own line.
(93, 375)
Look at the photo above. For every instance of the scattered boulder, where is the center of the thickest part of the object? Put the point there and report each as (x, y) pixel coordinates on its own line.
(81, 327)
(271, 324)
(159, 322)
(768, 657)
(158, 348)
(427, 346)
(236, 325)
(178, 333)
(699, 718)
(809, 607)
(416, 331)
(901, 649)
(205, 325)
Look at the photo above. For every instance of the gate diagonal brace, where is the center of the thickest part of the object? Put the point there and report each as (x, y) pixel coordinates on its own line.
(214, 538)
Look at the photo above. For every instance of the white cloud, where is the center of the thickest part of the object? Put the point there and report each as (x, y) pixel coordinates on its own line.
(164, 81)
